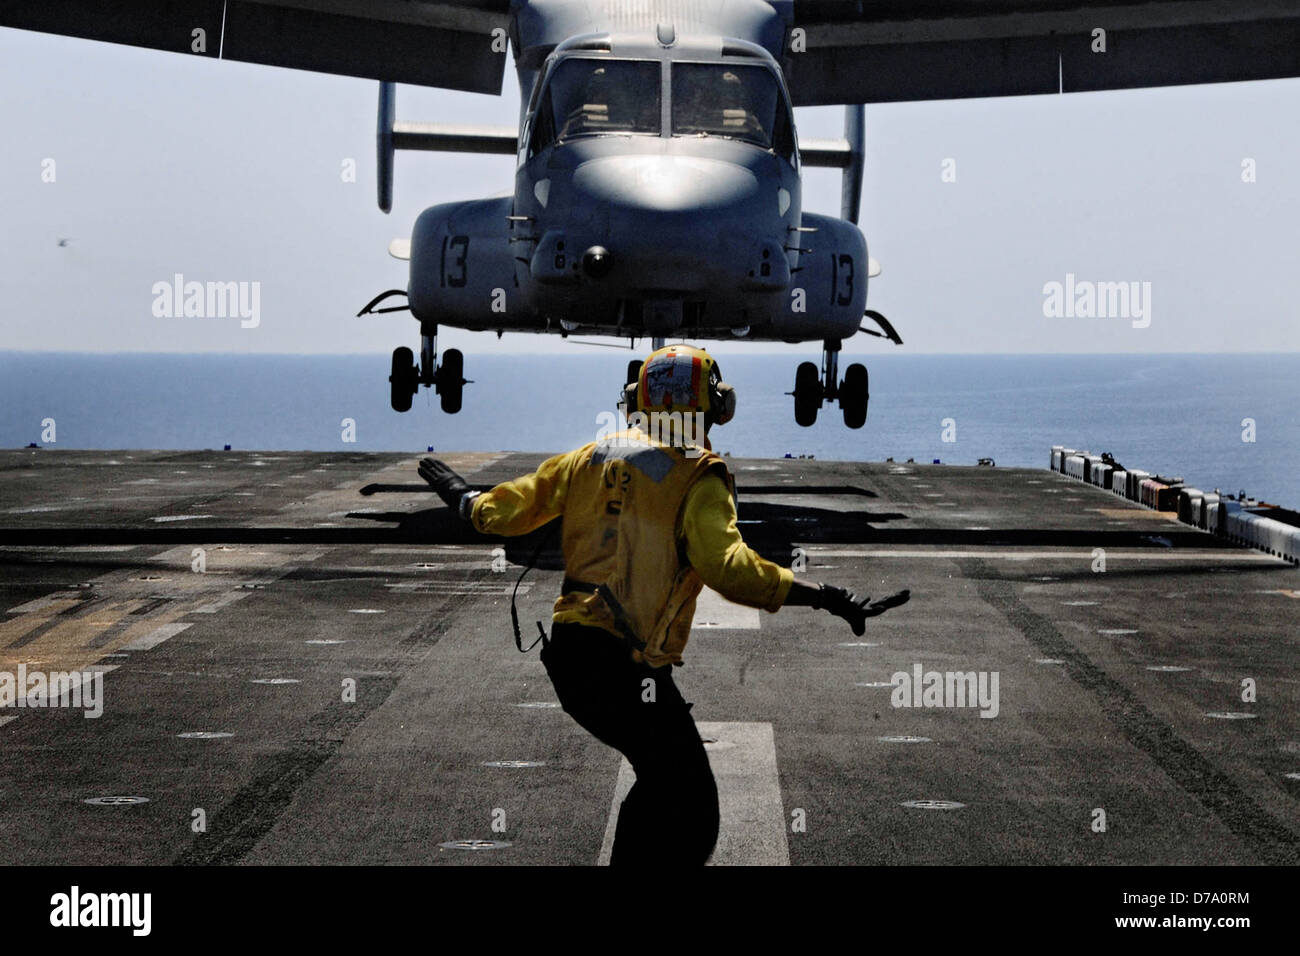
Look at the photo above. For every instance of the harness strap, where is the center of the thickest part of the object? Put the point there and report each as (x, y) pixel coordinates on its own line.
(621, 621)
(620, 618)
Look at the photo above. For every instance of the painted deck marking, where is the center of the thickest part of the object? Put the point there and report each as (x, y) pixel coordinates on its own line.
(1026, 554)
(230, 597)
(713, 611)
(749, 795)
(155, 637)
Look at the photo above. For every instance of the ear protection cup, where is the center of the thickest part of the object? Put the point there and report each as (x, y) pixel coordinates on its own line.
(723, 403)
(629, 398)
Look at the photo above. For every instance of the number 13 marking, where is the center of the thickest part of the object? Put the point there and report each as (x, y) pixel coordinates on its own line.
(456, 280)
(838, 262)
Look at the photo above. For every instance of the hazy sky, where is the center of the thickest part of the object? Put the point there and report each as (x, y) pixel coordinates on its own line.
(228, 171)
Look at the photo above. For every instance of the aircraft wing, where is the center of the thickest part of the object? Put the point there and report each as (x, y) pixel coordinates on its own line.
(447, 44)
(889, 50)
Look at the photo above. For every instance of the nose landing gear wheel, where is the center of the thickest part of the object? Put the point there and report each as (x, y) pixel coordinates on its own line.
(807, 393)
(450, 384)
(854, 396)
(404, 379)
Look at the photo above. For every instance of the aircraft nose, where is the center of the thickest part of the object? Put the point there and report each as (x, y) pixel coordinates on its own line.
(665, 184)
(667, 222)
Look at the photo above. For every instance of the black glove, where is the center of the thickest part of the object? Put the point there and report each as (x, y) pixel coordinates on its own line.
(844, 604)
(448, 485)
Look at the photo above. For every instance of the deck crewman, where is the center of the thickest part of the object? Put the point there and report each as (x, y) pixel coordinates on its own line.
(649, 518)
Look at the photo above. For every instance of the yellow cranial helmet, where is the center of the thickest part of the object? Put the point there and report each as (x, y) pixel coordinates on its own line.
(682, 378)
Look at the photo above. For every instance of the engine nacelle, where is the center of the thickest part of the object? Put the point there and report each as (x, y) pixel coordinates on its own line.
(463, 270)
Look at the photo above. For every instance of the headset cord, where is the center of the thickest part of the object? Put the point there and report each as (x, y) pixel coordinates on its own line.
(514, 611)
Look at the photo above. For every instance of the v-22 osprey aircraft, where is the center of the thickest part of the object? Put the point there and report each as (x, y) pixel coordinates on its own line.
(657, 184)
(657, 194)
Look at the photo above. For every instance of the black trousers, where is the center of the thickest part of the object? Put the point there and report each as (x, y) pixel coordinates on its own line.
(670, 816)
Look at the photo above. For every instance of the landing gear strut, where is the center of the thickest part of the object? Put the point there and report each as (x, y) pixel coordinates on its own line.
(812, 387)
(447, 380)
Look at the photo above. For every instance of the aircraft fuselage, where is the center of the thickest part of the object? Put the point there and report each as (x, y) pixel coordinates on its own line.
(657, 192)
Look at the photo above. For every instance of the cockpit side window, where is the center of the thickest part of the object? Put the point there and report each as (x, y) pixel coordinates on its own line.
(783, 133)
(733, 100)
(543, 126)
(585, 97)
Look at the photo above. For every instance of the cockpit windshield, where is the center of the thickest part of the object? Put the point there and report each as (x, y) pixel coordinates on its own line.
(590, 96)
(734, 100)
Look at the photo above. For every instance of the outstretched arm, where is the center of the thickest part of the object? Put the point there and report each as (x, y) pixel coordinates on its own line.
(449, 486)
(720, 556)
(842, 603)
(512, 507)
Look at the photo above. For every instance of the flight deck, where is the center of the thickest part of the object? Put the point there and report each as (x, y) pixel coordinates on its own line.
(305, 658)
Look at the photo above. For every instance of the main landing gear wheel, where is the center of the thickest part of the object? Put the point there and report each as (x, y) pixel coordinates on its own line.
(404, 379)
(807, 393)
(450, 381)
(854, 395)
(447, 379)
(813, 386)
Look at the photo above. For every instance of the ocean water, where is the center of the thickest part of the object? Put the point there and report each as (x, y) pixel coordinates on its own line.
(1180, 414)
